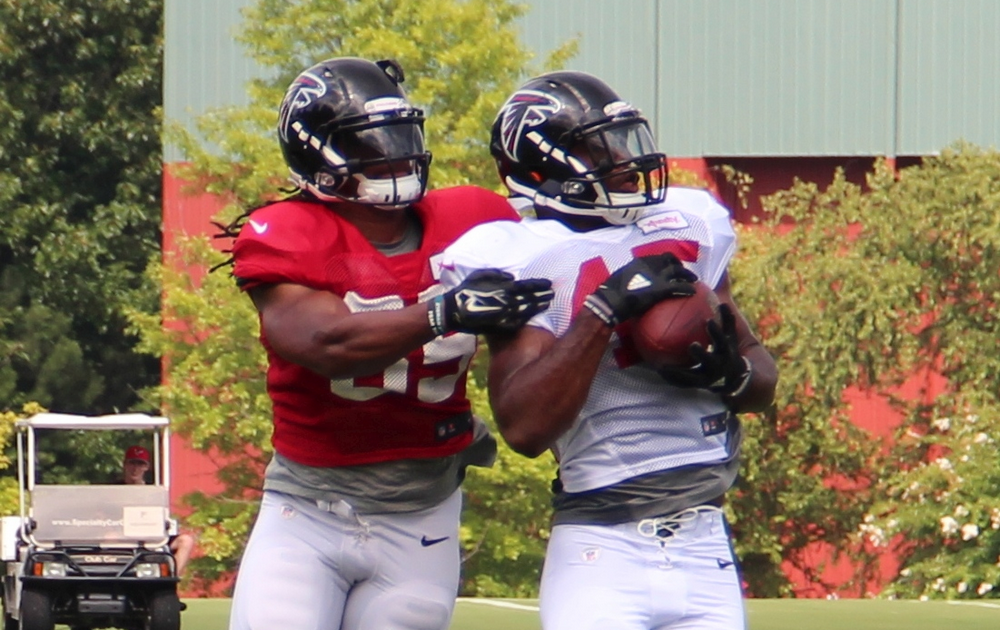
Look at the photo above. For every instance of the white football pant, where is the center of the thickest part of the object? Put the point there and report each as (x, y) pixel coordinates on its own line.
(629, 577)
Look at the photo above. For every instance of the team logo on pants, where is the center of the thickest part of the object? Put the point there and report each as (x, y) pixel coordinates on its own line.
(591, 554)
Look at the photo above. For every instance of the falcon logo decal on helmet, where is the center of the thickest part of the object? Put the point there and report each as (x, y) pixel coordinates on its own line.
(525, 108)
(307, 88)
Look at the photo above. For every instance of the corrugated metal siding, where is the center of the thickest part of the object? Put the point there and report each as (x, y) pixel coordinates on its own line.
(949, 70)
(616, 42)
(717, 77)
(204, 66)
(775, 77)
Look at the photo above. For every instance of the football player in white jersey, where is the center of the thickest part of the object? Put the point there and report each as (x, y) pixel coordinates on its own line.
(639, 540)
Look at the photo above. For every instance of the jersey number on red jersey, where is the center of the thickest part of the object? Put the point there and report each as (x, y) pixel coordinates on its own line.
(430, 375)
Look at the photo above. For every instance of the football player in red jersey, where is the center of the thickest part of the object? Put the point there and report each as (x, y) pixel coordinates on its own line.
(639, 540)
(358, 526)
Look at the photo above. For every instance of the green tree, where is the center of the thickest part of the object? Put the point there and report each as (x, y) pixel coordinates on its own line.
(834, 314)
(79, 198)
(868, 288)
(937, 502)
(461, 58)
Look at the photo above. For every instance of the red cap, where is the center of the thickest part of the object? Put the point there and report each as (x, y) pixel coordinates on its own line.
(137, 452)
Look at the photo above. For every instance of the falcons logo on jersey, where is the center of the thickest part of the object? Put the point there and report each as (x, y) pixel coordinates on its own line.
(525, 109)
(306, 89)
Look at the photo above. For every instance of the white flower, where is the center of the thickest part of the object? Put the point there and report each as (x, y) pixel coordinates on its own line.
(943, 463)
(875, 535)
(942, 424)
(972, 418)
(939, 584)
(981, 438)
(948, 525)
(970, 531)
(995, 518)
(961, 510)
(984, 588)
(905, 572)
(924, 598)
(892, 523)
(961, 587)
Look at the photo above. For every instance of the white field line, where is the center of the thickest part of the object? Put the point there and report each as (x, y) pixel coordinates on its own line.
(980, 604)
(497, 603)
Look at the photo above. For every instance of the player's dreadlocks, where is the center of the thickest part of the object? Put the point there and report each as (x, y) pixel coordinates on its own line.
(232, 229)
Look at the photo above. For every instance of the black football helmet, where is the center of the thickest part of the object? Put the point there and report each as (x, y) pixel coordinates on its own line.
(568, 142)
(347, 132)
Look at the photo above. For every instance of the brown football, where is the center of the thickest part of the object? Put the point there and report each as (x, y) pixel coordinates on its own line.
(664, 333)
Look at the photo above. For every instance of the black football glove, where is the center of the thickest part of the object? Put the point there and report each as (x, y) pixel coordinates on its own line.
(489, 301)
(719, 368)
(633, 289)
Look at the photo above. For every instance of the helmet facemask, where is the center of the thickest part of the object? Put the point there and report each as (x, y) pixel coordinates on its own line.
(377, 160)
(616, 171)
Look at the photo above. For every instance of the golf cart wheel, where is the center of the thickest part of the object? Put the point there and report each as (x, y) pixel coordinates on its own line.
(164, 611)
(36, 610)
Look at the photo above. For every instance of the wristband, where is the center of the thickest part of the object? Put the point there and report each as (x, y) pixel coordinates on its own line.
(600, 308)
(745, 383)
(435, 315)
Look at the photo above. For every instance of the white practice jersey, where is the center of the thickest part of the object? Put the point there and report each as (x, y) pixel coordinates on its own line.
(633, 423)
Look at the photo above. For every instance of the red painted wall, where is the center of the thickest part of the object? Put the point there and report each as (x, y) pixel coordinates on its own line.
(187, 213)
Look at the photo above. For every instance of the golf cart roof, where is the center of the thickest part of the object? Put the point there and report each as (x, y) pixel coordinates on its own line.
(114, 421)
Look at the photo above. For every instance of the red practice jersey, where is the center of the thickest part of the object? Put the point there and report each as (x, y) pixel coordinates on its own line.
(410, 409)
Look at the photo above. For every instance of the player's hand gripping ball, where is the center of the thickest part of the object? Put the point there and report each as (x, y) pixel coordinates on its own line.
(664, 334)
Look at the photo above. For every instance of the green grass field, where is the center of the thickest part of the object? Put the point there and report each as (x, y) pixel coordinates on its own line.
(765, 614)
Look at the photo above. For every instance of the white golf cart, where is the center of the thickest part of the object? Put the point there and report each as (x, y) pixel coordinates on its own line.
(90, 556)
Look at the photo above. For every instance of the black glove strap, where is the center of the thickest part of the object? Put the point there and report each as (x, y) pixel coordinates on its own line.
(435, 315)
(743, 383)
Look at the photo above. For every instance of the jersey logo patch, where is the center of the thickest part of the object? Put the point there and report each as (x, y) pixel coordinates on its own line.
(714, 424)
(455, 425)
(259, 228)
(666, 221)
(427, 542)
(437, 265)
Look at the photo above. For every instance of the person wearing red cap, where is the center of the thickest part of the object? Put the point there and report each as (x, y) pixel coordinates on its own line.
(135, 467)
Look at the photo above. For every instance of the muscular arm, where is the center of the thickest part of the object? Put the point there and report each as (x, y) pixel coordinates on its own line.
(538, 383)
(316, 330)
(759, 394)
